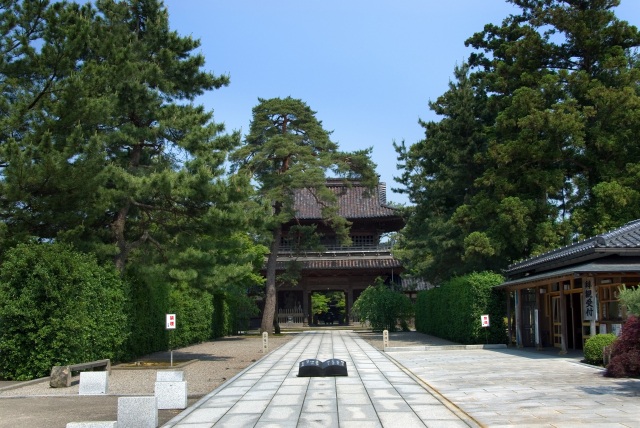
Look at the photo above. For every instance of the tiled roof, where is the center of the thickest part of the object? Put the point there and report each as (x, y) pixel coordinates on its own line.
(619, 240)
(359, 263)
(352, 200)
(612, 264)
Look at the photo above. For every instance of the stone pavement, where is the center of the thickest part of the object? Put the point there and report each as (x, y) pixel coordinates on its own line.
(512, 387)
(376, 393)
(434, 387)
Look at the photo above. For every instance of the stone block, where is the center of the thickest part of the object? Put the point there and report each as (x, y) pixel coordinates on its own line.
(93, 424)
(137, 412)
(169, 376)
(94, 383)
(60, 377)
(171, 395)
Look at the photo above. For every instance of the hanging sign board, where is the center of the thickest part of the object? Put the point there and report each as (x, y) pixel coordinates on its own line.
(171, 322)
(589, 302)
(484, 320)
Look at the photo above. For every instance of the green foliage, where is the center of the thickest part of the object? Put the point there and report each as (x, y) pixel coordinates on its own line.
(630, 297)
(594, 346)
(220, 316)
(288, 149)
(534, 146)
(453, 310)
(383, 307)
(241, 308)
(103, 148)
(193, 309)
(57, 307)
(319, 303)
(148, 304)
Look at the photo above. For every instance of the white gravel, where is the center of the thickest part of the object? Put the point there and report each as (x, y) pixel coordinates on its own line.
(217, 361)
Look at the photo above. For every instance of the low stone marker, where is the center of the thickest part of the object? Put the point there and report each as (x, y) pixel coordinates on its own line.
(93, 424)
(137, 412)
(171, 390)
(94, 383)
(169, 376)
(317, 368)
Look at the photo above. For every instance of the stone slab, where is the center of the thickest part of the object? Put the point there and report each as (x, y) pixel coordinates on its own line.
(137, 412)
(171, 395)
(169, 376)
(94, 383)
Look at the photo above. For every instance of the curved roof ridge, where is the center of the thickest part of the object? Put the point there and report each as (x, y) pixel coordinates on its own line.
(625, 236)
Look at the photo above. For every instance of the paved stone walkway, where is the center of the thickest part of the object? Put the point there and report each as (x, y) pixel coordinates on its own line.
(511, 387)
(435, 386)
(377, 392)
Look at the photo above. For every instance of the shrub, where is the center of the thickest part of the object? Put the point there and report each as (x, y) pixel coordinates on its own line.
(383, 307)
(57, 307)
(453, 310)
(594, 346)
(630, 297)
(625, 355)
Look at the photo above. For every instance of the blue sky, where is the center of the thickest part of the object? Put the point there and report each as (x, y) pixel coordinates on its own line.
(367, 67)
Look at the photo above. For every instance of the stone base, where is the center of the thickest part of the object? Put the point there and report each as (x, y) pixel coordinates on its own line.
(94, 383)
(137, 412)
(171, 395)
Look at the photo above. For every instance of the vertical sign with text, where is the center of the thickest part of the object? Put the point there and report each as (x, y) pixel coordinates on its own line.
(589, 302)
(171, 322)
(484, 320)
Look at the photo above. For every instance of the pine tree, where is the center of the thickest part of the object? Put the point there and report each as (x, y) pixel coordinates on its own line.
(287, 149)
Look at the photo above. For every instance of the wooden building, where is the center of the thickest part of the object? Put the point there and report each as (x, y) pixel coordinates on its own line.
(348, 270)
(563, 297)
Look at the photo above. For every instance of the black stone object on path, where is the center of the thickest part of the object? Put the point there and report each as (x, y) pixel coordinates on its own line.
(317, 368)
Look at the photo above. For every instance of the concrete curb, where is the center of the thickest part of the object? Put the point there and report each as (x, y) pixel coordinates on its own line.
(20, 384)
(443, 347)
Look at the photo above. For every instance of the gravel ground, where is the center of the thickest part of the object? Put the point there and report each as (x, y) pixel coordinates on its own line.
(217, 361)
(36, 405)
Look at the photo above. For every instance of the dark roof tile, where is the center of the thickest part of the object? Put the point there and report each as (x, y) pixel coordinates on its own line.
(627, 236)
(352, 200)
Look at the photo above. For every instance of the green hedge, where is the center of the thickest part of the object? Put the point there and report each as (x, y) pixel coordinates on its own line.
(593, 347)
(453, 310)
(57, 307)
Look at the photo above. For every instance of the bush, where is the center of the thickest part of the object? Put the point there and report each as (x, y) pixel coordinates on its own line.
(594, 346)
(630, 297)
(383, 307)
(57, 307)
(625, 355)
(453, 310)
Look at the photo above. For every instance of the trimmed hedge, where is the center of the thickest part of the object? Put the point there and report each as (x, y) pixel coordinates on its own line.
(57, 307)
(453, 310)
(593, 347)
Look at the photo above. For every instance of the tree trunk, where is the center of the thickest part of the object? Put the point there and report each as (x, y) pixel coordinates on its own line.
(269, 310)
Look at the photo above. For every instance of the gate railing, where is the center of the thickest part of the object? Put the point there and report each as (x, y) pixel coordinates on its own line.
(290, 316)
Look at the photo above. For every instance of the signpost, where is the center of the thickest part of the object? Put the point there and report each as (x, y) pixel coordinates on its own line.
(170, 325)
(484, 321)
